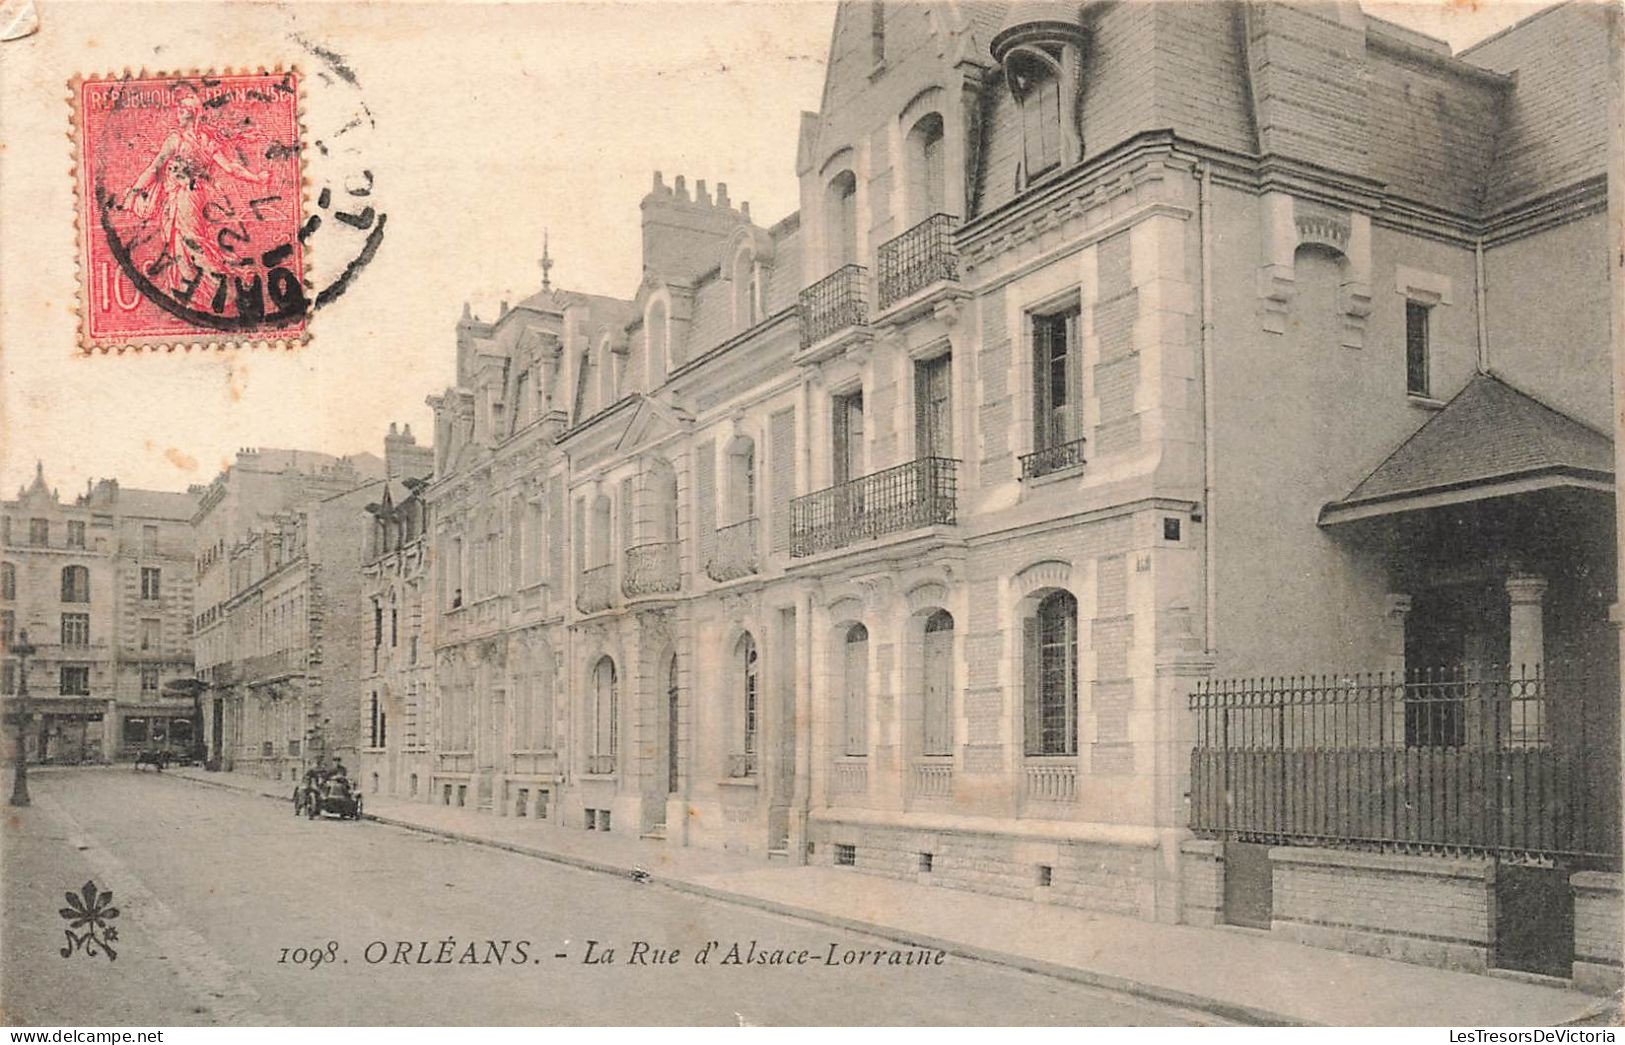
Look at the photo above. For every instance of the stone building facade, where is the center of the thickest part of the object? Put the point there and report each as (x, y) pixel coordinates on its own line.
(281, 644)
(103, 586)
(1116, 354)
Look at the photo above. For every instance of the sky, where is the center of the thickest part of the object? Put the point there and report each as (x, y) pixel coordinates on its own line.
(490, 127)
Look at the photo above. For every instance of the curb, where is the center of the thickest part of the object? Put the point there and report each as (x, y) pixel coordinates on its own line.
(1228, 1011)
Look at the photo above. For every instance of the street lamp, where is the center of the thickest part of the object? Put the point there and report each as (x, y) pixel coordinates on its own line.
(19, 781)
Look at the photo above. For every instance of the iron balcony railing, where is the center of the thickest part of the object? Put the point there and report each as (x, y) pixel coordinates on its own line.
(923, 255)
(1512, 763)
(596, 591)
(735, 553)
(834, 303)
(651, 569)
(907, 497)
(741, 766)
(1052, 459)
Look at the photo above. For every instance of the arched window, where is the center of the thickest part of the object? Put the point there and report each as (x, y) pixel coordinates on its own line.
(75, 584)
(655, 336)
(605, 715)
(747, 296)
(1035, 81)
(855, 685)
(937, 679)
(841, 220)
(454, 572)
(749, 695)
(1050, 676)
(8, 581)
(927, 171)
(741, 479)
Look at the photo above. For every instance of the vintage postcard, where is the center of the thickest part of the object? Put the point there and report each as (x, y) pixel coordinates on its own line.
(903, 513)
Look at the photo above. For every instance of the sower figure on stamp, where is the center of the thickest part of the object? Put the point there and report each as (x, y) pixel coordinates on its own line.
(176, 186)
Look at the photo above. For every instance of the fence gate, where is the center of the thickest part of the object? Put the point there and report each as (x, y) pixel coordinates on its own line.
(1534, 919)
(1249, 890)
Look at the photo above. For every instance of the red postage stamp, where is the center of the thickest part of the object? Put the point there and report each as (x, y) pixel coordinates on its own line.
(190, 195)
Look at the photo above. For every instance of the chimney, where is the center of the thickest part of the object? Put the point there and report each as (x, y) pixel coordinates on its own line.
(683, 236)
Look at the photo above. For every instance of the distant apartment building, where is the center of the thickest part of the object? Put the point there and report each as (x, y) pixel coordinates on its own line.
(397, 682)
(103, 587)
(279, 539)
(1163, 468)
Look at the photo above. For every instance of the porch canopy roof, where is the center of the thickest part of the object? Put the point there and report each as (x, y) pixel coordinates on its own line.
(1491, 440)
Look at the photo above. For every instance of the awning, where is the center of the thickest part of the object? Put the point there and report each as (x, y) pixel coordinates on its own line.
(1491, 440)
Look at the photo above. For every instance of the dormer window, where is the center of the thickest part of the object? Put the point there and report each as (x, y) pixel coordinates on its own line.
(1040, 48)
(1035, 82)
(747, 293)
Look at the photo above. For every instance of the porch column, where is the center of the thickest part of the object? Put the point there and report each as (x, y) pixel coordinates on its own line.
(1395, 613)
(1527, 654)
(1526, 592)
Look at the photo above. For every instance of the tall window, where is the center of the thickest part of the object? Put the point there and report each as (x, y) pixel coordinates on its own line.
(8, 581)
(152, 634)
(741, 479)
(673, 718)
(747, 297)
(149, 540)
(149, 679)
(75, 584)
(933, 416)
(76, 629)
(855, 680)
(927, 184)
(601, 553)
(848, 431)
(1035, 80)
(654, 333)
(605, 717)
(39, 532)
(8, 677)
(1050, 682)
(521, 400)
(1057, 367)
(76, 534)
(73, 680)
(1416, 348)
(841, 219)
(937, 676)
(8, 627)
(377, 723)
(151, 577)
(749, 685)
(877, 31)
(377, 624)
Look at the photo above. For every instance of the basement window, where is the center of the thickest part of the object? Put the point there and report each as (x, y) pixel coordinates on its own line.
(926, 862)
(1046, 875)
(846, 855)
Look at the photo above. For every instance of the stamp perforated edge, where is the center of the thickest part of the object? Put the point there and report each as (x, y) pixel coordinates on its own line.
(169, 343)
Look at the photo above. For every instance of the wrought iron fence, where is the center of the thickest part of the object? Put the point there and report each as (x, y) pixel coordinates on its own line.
(651, 569)
(923, 255)
(907, 497)
(1487, 761)
(1052, 459)
(834, 303)
(734, 555)
(596, 591)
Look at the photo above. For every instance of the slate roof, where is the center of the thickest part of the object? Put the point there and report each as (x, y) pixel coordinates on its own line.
(1489, 432)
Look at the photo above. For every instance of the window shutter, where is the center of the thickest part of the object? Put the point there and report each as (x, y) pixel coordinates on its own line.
(705, 499)
(782, 477)
(1041, 404)
(1032, 696)
(628, 516)
(1074, 378)
(555, 536)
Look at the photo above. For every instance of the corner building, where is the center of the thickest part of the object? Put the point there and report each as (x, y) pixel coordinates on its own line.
(1118, 354)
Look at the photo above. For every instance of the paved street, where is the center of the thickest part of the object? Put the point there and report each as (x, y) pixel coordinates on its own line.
(212, 886)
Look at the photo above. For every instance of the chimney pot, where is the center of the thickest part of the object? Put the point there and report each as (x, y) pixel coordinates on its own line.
(680, 187)
(744, 210)
(700, 195)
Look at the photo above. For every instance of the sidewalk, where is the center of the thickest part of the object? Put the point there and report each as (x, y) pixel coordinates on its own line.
(1234, 974)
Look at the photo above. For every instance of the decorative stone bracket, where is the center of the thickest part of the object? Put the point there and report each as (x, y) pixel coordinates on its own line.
(1291, 223)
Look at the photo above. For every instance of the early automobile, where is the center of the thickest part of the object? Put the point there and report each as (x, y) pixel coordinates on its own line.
(334, 796)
